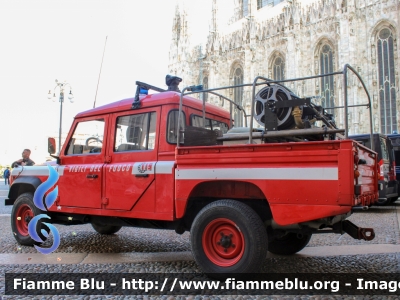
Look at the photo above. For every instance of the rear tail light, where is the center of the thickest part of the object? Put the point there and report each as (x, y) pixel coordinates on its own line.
(356, 160)
(381, 173)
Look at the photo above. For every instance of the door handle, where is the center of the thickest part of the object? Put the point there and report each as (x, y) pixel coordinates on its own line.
(142, 175)
(92, 176)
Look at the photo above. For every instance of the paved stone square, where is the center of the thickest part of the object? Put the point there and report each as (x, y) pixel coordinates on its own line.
(134, 250)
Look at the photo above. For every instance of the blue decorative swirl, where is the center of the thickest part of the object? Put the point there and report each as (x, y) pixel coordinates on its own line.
(51, 197)
(56, 240)
(44, 187)
(33, 225)
(39, 202)
(32, 232)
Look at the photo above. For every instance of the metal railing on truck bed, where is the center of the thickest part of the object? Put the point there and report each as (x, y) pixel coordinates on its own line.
(284, 116)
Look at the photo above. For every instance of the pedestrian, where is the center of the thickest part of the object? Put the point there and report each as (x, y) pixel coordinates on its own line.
(6, 175)
(25, 160)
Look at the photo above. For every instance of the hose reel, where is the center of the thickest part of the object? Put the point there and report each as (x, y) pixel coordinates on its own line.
(266, 103)
(278, 108)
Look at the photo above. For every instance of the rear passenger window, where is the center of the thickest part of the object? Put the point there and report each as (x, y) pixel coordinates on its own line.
(220, 126)
(198, 121)
(135, 132)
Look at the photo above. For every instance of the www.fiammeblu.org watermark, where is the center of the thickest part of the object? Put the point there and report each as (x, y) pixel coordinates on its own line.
(201, 284)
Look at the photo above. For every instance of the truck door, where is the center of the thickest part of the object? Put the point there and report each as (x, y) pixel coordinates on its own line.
(81, 183)
(130, 173)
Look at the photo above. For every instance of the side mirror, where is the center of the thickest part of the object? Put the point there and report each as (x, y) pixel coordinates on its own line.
(51, 145)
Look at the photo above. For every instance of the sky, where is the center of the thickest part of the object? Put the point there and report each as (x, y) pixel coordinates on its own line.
(45, 40)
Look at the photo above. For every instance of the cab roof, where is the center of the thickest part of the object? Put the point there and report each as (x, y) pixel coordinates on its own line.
(154, 100)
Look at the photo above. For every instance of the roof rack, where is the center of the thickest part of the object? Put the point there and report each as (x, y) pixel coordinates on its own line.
(143, 88)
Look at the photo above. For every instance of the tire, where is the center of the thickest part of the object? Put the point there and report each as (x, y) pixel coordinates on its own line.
(393, 199)
(105, 229)
(22, 212)
(290, 243)
(228, 236)
(382, 201)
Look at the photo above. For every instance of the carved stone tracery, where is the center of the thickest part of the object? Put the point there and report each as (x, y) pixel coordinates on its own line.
(295, 31)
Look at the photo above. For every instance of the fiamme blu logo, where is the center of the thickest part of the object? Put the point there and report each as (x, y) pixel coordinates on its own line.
(44, 202)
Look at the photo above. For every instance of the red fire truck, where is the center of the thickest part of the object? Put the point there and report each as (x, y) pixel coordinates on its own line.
(171, 161)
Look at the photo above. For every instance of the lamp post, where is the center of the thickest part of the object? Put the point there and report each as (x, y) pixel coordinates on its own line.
(61, 87)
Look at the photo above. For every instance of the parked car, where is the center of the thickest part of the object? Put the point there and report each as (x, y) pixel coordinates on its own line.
(387, 165)
(395, 138)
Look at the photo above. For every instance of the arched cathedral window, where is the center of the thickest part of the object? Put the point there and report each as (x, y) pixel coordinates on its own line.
(386, 74)
(278, 68)
(262, 3)
(245, 7)
(326, 67)
(238, 96)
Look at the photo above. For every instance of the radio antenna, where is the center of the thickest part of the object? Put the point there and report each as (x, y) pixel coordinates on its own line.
(101, 66)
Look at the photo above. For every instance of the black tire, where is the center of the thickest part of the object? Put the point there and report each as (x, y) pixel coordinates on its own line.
(105, 229)
(290, 243)
(228, 236)
(393, 199)
(22, 212)
(382, 201)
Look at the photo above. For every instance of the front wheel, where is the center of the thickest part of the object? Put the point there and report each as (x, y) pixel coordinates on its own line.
(23, 211)
(105, 229)
(228, 236)
(288, 244)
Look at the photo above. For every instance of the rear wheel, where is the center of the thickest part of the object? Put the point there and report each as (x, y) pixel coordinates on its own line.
(288, 244)
(383, 201)
(228, 236)
(106, 229)
(23, 211)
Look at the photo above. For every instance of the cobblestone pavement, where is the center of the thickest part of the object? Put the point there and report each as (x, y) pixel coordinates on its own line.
(83, 239)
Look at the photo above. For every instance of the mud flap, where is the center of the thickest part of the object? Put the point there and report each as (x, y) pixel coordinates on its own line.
(354, 231)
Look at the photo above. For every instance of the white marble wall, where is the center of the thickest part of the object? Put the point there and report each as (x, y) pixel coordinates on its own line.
(295, 30)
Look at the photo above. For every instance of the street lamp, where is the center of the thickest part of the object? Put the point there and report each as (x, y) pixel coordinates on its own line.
(61, 87)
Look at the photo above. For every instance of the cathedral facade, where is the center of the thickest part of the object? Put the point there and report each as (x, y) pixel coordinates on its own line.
(289, 39)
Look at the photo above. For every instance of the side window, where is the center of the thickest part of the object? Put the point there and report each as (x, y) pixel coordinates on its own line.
(172, 126)
(135, 132)
(220, 126)
(87, 138)
(197, 121)
(366, 143)
(384, 149)
(397, 157)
